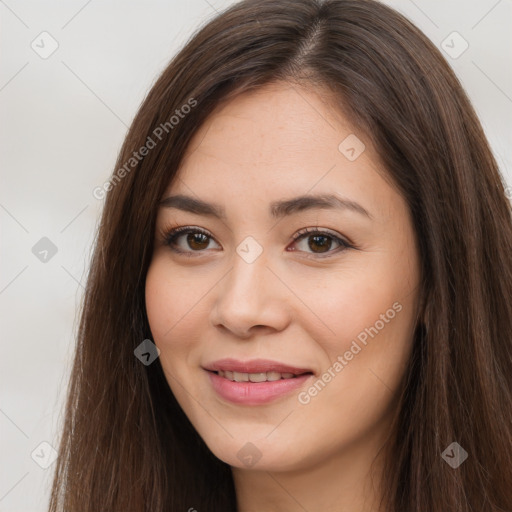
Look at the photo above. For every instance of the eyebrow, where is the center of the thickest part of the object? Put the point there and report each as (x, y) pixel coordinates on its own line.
(278, 209)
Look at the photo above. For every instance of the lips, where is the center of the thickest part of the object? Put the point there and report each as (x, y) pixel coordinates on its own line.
(254, 366)
(255, 382)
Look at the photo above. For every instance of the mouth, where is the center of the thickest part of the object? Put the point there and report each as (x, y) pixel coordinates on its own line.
(257, 377)
(255, 382)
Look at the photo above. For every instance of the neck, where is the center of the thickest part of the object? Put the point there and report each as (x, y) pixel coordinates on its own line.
(346, 480)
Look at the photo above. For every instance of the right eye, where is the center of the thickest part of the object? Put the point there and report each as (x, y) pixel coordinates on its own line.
(187, 239)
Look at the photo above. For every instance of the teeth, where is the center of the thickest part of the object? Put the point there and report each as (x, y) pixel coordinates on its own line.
(240, 377)
(254, 377)
(257, 377)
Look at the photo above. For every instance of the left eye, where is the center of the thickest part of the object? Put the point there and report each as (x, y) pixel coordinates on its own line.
(196, 240)
(320, 242)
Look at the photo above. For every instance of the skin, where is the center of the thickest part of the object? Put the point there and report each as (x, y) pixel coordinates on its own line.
(303, 307)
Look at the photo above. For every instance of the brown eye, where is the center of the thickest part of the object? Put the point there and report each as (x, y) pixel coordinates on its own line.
(320, 242)
(197, 241)
(187, 239)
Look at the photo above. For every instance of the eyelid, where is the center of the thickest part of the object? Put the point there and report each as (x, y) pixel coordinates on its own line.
(323, 231)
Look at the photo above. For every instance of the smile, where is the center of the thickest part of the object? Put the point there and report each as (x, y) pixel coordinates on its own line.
(255, 382)
(255, 377)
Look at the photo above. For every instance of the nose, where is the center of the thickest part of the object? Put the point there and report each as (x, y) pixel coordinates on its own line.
(251, 300)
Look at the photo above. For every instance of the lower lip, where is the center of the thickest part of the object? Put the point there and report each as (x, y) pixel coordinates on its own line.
(254, 393)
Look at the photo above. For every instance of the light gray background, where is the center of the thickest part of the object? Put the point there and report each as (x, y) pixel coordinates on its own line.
(63, 122)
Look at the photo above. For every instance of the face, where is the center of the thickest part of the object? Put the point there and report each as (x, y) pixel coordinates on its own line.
(284, 325)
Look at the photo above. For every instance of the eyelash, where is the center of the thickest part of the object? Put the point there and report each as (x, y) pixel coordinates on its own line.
(170, 236)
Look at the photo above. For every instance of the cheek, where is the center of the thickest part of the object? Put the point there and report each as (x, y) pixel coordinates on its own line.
(177, 313)
(166, 304)
(363, 320)
(160, 301)
(345, 303)
(170, 299)
(364, 366)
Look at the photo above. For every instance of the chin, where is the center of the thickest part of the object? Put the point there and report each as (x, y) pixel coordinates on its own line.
(261, 453)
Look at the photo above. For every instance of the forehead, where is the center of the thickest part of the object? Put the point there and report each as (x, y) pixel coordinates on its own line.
(280, 141)
(276, 122)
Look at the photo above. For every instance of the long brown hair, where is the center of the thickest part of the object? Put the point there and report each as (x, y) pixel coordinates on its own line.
(126, 444)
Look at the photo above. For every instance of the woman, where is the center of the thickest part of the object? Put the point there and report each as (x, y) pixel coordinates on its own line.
(299, 295)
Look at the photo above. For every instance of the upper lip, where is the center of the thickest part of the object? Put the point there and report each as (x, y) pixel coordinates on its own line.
(254, 366)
